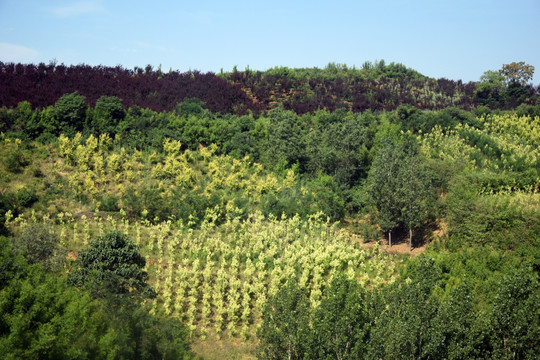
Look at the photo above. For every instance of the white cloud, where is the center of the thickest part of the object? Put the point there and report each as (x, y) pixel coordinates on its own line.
(77, 9)
(17, 53)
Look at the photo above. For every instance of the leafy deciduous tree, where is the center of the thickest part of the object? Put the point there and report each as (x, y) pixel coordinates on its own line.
(516, 317)
(283, 332)
(397, 184)
(341, 323)
(112, 267)
(413, 180)
(404, 327)
(382, 180)
(40, 245)
(517, 72)
(108, 113)
(70, 111)
(285, 141)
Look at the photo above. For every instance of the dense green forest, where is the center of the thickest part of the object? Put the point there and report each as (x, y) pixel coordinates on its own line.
(293, 213)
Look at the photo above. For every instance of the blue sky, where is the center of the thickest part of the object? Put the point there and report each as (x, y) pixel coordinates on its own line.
(453, 39)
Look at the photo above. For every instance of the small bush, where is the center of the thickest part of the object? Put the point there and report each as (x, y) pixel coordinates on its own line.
(15, 161)
(366, 229)
(39, 245)
(26, 197)
(37, 172)
(109, 203)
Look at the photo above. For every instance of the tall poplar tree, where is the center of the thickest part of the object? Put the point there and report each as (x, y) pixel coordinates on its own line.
(398, 184)
(382, 186)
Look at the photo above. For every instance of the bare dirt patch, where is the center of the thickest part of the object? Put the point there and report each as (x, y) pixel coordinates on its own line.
(400, 240)
(225, 348)
(400, 245)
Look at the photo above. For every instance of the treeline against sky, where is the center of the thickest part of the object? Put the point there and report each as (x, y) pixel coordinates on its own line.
(376, 86)
(42, 85)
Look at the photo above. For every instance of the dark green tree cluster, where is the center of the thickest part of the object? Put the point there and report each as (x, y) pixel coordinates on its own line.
(506, 88)
(423, 316)
(337, 329)
(398, 185)
(16, 203)
(411, 118)
(43, 316)
(112, 267)
(477, 220)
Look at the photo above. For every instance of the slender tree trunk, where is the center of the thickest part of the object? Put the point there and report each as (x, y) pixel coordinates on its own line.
(390, 238)
(289, 351)
(410, 239)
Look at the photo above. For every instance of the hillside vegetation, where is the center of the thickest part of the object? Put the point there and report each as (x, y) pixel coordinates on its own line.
(263, 227)
(375, 86)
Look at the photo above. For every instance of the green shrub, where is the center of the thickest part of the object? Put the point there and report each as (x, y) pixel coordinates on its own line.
(369, 232)
(40, 245)
(26, 197)
(14, 160)
(37, 172)
(109, 203)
